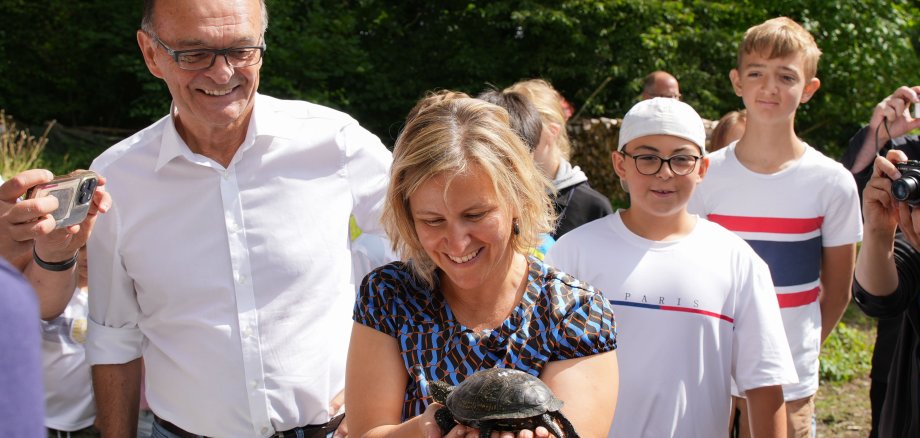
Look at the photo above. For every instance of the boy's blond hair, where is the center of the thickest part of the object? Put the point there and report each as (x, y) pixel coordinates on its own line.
(780, 37)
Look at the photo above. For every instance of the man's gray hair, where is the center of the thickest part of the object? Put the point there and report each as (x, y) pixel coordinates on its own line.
(147, 18)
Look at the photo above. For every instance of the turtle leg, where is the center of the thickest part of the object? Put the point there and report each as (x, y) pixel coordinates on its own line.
(567, 427)
(547, 421)
(445, 420)
(485, 430)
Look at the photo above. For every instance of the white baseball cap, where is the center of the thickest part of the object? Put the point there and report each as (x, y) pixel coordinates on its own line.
(663, 116)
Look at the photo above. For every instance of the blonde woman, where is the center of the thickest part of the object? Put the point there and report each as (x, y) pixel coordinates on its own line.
(464, 206)
(575, 202)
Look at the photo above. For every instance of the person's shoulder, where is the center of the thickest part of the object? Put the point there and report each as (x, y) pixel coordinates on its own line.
(815, 158)
(584, 193)
(17, 297)
(391, 272)
(819, 165)
(300, 109)
(719, 238)
(567, 294)
(910, 143)
(722, 154)
(9, 276)
(146, 140)
(586, 233)
(558, 280)
(395, 281)
(714, 231)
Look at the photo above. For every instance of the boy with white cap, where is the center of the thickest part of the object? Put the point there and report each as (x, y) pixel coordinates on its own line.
(694, 302)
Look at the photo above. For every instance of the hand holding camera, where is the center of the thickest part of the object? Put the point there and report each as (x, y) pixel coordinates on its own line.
(895, 109)
(55, 217)
(74, 192)
(889, 198)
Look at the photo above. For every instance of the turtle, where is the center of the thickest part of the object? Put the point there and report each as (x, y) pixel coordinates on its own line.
(500, 399)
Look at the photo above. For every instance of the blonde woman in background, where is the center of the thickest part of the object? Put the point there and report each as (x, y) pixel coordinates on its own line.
(575, 202)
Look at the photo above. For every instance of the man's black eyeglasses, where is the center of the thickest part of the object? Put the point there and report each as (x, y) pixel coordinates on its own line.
(649, 164)
(202, 59)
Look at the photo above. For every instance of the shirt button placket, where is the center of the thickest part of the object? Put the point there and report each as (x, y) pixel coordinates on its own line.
(247, 316)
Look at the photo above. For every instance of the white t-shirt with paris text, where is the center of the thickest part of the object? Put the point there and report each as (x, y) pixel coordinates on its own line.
(690, 313)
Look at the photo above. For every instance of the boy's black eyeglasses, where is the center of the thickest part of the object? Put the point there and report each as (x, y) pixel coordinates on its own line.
(649, 164)
(202, 59)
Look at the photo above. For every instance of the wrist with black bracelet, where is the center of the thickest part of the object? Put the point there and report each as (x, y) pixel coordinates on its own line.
(54, 266)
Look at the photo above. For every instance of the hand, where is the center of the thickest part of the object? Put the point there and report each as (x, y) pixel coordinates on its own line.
(540, 432)
(880, 209)
(336, 407)
(430, 428)
(21, 222)
(62, 244)
(908, 217)
(895, 108)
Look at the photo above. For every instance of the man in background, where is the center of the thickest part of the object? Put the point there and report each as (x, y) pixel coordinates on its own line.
(660, 84)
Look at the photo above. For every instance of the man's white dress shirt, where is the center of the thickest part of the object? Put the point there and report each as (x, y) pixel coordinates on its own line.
(235, 284)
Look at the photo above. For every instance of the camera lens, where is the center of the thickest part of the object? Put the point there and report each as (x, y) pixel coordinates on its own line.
(906, 189)
(86, 191)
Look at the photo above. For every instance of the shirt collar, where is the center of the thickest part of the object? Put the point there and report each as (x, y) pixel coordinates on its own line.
(265, 121)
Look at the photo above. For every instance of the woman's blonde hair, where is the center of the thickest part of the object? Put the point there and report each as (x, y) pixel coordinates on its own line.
(456, 135)
(549, 103)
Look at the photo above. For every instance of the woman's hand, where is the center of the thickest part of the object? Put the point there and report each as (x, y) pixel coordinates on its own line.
(430, 428)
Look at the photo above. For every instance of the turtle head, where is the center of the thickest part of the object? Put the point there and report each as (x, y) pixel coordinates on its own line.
(439, 391)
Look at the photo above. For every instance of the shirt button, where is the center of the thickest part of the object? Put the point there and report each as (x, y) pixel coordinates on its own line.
(264, 430)
(247, 333)
(255, 384)
(242, 279)
(227, 174)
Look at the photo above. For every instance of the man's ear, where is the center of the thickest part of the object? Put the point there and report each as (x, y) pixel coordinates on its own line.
(735, 77)
(149, 50)
(811, 87)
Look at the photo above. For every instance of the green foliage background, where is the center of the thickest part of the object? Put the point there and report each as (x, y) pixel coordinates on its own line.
(78, 62)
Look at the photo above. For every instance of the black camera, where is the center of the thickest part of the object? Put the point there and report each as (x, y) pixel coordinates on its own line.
(907, 187)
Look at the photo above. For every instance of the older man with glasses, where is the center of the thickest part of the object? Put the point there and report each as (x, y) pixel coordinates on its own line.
(224, 262)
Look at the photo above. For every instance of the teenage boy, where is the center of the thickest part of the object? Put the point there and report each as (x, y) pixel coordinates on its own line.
(693, 301)
(798, 209)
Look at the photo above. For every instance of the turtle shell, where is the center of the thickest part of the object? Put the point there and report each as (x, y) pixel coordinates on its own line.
(500, 393)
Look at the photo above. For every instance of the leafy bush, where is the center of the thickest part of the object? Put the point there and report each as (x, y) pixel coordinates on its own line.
(19, 150)
(374, 58)
(846, 354)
